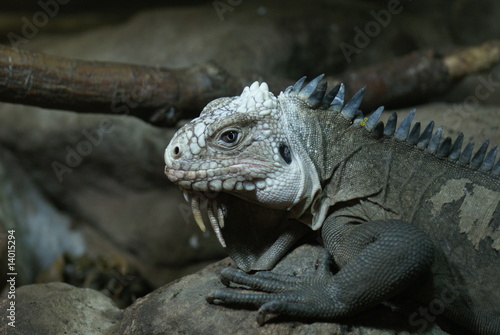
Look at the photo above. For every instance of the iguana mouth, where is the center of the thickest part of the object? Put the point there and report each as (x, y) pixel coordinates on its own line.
(201, 193)
(215, 212)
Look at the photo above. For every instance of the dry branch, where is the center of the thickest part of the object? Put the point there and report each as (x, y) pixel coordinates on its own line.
(417, 77)
(161, 96)
(151, 93)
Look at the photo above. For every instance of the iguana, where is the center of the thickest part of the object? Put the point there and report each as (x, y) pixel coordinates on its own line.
(394, 206)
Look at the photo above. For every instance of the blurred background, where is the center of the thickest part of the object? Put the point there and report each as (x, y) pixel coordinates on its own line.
(84, 189)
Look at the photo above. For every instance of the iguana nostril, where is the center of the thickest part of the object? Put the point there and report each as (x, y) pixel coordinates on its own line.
(177, 152)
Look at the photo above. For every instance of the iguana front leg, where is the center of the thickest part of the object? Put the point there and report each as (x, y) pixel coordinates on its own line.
(377, 260)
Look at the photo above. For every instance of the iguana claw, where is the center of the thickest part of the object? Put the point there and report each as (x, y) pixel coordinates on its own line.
(278, 294)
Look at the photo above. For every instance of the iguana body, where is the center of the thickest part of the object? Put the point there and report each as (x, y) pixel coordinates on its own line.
(394, 205)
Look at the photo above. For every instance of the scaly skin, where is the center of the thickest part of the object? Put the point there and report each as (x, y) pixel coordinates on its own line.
(393, 206)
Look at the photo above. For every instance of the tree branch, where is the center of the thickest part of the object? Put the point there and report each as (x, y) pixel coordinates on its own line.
(417, 77)
(154, 94)
(162, 96)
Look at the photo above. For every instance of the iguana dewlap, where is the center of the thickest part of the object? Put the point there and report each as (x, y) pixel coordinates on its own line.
(395, 206)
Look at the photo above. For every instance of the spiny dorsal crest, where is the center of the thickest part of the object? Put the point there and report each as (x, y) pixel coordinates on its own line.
(314, 94)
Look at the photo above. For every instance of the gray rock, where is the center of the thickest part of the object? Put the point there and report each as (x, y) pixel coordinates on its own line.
(59, 308)
(42, 233)
(180, 308)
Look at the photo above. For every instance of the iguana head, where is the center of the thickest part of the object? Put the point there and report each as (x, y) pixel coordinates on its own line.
(257, 146)
(238, 145)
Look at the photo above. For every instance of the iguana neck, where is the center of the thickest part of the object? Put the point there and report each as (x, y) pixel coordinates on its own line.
(314, 133)
(347, 169)
(321, 140)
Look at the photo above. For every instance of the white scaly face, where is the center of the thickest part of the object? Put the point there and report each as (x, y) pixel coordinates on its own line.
(237, 146)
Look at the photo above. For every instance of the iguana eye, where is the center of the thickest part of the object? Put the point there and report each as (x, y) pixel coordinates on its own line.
(230, 136)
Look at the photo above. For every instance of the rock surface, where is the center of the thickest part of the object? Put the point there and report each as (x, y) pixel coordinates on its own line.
(173, 308)
(58, 308)
(180, 308)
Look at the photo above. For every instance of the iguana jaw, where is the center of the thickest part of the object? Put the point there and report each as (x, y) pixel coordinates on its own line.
(259, 164)
(202, 196)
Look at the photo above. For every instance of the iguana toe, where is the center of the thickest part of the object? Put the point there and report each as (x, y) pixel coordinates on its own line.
(262, 281)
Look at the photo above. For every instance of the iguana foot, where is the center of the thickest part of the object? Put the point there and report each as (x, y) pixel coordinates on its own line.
(307, 296)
